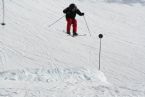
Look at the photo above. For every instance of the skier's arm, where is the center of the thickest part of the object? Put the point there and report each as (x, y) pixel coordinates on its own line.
(79, 12)
(65, 10)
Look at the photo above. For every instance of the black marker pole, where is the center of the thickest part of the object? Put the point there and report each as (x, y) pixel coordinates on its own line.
(100, 36)
(3, 4)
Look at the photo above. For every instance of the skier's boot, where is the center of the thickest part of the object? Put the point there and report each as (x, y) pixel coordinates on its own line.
(75, 34)
(68, 33)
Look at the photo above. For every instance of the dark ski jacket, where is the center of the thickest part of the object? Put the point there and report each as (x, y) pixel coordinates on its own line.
(71, 12)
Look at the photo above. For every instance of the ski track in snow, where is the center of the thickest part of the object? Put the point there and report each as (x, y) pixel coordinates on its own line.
(38, 61)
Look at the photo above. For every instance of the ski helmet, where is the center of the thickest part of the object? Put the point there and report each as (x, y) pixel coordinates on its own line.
(72, 5)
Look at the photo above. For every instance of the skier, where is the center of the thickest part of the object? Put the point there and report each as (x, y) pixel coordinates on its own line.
(71, 12)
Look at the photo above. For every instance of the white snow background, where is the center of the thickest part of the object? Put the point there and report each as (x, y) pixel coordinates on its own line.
(41, 61)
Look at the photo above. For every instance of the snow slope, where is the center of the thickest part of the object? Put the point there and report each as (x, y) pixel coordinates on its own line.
(41, 61)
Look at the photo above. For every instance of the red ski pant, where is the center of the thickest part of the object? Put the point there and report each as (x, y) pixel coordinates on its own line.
(72, 22)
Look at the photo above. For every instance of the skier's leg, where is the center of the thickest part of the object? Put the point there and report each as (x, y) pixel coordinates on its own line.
(69, 22)
(74, 27)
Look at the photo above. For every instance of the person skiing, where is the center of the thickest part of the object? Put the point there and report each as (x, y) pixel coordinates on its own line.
(71, 12)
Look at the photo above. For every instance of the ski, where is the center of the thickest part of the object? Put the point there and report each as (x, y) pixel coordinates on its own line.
(76, 35)
(79, 35)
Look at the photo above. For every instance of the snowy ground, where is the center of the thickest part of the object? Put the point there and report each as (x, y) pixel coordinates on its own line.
(41, 61)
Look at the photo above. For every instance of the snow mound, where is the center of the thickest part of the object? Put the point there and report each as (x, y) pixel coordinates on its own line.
(62, 82)
(55, 82)
(71, 75)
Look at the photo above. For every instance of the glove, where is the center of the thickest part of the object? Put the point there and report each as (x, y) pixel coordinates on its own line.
(83, 14)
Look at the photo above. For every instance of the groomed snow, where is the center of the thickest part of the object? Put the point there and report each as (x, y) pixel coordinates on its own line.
(41, 61)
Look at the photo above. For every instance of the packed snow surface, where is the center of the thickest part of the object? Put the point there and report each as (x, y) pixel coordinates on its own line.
(38, 59)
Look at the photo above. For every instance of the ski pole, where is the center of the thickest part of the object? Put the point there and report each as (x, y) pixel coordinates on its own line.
(56, 21)
(87, 25)
(3, 4)
(100, 36)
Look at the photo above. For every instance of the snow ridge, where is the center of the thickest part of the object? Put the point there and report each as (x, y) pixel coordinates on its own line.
(49, 75)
